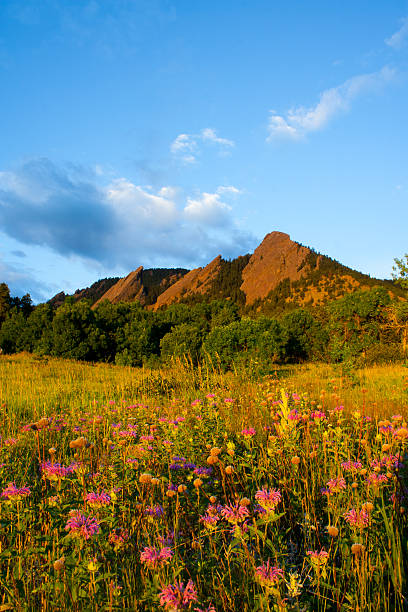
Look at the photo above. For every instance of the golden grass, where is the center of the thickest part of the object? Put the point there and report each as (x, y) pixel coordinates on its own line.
(35, 385)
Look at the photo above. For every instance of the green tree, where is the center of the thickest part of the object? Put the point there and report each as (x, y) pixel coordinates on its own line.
(5, 301)
(184, 339)
(400, 271)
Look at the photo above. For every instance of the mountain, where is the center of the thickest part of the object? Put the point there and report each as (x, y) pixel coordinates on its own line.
(141, 285)
(92, 293)
(279, 275)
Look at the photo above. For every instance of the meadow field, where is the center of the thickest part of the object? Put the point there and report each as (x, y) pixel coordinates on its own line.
(187, 488)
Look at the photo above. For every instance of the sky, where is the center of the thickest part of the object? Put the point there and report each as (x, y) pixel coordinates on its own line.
(165, 132)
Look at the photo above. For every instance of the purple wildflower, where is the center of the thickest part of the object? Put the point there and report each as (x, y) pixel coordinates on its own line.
(13, 493)
(56, 471)
(81, 526)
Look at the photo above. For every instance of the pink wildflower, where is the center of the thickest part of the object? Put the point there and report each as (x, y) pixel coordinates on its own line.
(268, 575)
(13, 493)
(154, 557)
(318, 558)
(209, 521)
(268, 498)
(10, 442)
(351, 466)
(235, 514)
(118, 537)
(336, 485)
(98, 500)
(357, 518)
(376, 479)
(56, 471)
(249, 432)
(81, 526)
(178, 597)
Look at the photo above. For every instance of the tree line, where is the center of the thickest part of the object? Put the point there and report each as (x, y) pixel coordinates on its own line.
(362, 327)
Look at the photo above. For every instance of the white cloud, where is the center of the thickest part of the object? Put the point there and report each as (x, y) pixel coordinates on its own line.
(137, 205)
(228, 189)
(397, 40)
(209, 134)
(119, 223)
(187, 146)
(300, 121)
(208, 209)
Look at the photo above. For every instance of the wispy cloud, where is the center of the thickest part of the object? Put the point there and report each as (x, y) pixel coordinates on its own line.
(119, 223)
(298, 122)
(397, 40)
(187, 146)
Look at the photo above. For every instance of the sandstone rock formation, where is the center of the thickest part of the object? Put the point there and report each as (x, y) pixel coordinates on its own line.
(276, 258)
(196, 281)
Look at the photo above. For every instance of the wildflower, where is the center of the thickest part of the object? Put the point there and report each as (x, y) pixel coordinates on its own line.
(156, 511)
(56, 471)
(351, 466)
(294, 585)
(12, 493)
(212, 459)
(81, 526)
(78, 443)
(154, 558)
(178, 597)
(53, 501)
(98, 500)
(197, 483)
(295, 460)
(268, 575)
(357, 549)
(401, 433)
(235, 514)
(209, 520)
(10, 442)
(318, 415)
(318, 559)
(268, 498)
(145, 478)
(332, 531)
(118, 537)
(229, 470)
(376, 479)
(336, 485)
(357, 518)
(59, 564)
(249, 432)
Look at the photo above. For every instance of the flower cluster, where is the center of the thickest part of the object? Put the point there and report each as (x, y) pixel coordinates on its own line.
(13, 493)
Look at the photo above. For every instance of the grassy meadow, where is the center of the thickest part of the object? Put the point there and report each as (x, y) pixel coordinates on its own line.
(192, 489)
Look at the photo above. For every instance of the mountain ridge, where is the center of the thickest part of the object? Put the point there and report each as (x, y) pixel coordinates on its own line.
(279, 274)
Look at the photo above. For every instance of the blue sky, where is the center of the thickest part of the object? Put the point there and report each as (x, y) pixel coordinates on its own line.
(162, 133)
